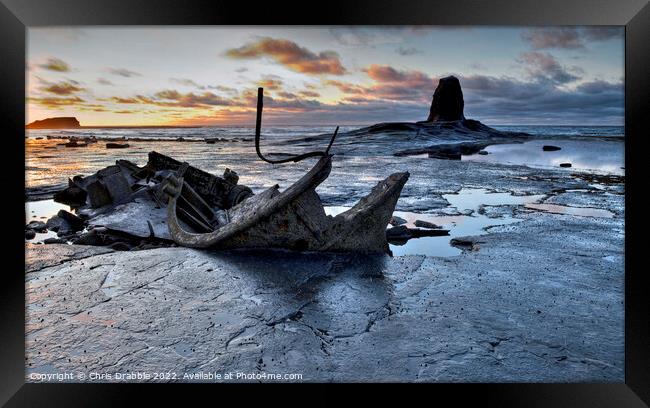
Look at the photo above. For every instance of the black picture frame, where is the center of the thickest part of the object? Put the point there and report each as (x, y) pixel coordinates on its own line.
(16, 15)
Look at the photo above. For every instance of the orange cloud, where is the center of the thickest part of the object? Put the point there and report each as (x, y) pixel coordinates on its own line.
(63, 88)
(389, 84)
(347, 87)
(135, 99)
(54, 102)
(388, 74)
(270, 84)
(191, 100)
(291, 55)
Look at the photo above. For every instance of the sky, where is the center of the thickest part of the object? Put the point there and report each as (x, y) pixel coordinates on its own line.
(208, 76)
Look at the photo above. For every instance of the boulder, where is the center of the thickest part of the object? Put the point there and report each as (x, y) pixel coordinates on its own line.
(37, 226)
(426, 224)
(55, 223)
(447, 103)
(465, 243)
(112, 145)
(73, 195)
(89, 238)
(75, 143)
(76, 223)
(54, 241)
(30, 234)
(400, 234)
(120, 246)
(117, 186)
(550, 148)
(98, 194)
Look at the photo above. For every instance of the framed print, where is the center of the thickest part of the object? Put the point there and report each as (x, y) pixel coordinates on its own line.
(376, 193)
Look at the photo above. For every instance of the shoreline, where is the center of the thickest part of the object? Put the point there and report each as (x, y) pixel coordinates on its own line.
(535, 300)
(505, 309)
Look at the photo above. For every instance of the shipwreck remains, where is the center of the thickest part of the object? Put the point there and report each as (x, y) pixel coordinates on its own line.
(171, 201)
(294, 218)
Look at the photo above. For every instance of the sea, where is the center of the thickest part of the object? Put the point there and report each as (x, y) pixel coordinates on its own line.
(48, 162)
(359, 163)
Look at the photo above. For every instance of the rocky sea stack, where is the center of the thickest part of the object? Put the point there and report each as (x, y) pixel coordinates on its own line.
(446, 134)
(447, 102)
(55, 123)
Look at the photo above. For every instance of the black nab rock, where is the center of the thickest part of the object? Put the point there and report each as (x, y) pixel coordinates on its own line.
(447, 103)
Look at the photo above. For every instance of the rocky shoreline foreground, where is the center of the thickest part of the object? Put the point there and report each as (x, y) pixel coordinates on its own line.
(539, 300)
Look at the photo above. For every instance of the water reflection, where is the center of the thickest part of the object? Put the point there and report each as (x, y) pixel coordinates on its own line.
(606, 156)
(466, 199)
(577, 211)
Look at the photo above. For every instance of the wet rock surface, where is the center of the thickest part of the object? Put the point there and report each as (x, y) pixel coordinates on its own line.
(542, 300)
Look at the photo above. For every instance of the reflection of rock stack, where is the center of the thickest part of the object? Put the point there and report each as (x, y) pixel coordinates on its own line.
(447, 103)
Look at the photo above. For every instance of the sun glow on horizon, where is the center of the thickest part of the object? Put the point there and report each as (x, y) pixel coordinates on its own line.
(187, 76)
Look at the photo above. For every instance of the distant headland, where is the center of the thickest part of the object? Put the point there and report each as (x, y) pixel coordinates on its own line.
(69, 122)
(55, 123)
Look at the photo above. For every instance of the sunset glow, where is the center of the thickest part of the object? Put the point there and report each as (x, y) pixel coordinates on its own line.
(209, 76)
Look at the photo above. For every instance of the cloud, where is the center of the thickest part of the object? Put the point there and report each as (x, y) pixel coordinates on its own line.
(600, 87)
(123, 72)
(190, 100)
(603, 33)
(55, 64)
(545, 66)
(270, 83)
(508, 100)
(407, 51)
(63, 88)
(291, 55)
(223, 88)
(135, 99)
(287, 95)
(186, 82)
(556, 37)
(569, 37)
(103, 81)
(493, 100)
(374, 36)
(395, 84)
(309, 94)
(55, 102)
(390, 84)
(347, 87)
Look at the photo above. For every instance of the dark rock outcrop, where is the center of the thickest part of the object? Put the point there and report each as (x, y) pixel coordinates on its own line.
(401, 234)
(112, 145)
(426, 224)
(37, 226)
(447, 103)
(55, 123)
(550, 148)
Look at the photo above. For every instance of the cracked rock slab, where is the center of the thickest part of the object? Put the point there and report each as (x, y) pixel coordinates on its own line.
(541, 301)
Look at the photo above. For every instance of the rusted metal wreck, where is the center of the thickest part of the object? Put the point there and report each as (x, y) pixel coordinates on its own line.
(170, 200)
